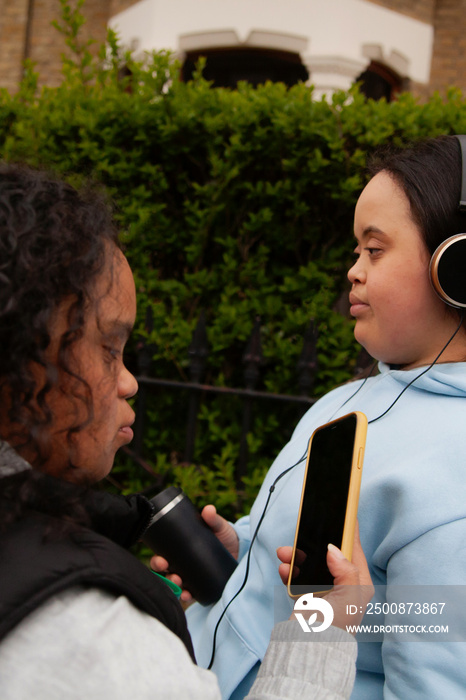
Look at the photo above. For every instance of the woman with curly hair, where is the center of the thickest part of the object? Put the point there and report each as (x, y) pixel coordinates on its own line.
(79, 615)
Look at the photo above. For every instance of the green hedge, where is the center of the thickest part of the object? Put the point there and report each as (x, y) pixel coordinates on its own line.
(235, 202)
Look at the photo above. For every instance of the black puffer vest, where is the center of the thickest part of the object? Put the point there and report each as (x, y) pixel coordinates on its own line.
(36, 564)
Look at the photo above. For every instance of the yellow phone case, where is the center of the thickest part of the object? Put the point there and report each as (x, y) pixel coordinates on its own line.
(359, 441)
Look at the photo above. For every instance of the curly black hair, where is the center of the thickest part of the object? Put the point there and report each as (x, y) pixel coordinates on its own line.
(54, 244)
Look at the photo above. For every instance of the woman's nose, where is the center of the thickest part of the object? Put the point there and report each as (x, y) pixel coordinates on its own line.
(356, 273)
(127, 384)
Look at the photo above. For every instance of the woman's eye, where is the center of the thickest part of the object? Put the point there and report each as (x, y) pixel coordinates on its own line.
(373, 251)
(113, 353)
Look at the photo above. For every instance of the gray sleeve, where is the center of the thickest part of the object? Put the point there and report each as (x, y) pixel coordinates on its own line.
(90, 644)
(320, 668)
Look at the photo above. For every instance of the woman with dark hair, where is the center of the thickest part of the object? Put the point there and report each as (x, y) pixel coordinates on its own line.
(79, 615)
(412, 508)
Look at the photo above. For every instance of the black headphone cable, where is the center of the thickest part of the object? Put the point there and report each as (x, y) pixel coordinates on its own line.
(248, 561)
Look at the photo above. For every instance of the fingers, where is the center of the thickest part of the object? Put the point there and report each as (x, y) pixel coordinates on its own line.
(285, 554)
(284, 571)
(225, 532)
(186, 596)
(353, 584)
(344, 572)
(348, 573)
(159, 564)
(212, 519)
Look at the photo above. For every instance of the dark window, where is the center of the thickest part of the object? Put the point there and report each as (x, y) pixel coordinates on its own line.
(378, 81)
(226, 67)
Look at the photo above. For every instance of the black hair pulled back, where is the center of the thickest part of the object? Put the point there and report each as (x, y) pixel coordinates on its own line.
(429, 173)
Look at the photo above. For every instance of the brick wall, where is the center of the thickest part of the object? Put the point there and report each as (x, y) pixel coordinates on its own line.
(26, 32)
(422, 10)
(13, 27)
(449, 63)
(120, 5)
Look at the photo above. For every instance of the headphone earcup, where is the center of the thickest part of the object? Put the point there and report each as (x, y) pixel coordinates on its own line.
(448, 271)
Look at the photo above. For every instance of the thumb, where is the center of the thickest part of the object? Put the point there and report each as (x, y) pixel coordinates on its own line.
(223, 530)
(211, 518)
(343, 571)
(346, 572)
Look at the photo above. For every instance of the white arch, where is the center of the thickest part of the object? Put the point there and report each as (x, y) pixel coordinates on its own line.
(257, 38)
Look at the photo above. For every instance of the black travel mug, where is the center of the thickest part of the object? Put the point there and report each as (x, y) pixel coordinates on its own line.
(178, 533)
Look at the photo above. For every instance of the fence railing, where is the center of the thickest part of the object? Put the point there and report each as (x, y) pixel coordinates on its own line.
(306, 370)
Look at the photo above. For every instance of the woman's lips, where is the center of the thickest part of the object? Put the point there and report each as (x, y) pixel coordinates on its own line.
(357, 307)
(127, 430)
(126, 433)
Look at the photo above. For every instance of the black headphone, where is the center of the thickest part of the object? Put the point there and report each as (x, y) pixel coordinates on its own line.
(448, 263)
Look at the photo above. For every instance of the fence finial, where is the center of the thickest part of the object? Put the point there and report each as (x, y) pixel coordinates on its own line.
(253, 357)
(307, 363)
(198, 350)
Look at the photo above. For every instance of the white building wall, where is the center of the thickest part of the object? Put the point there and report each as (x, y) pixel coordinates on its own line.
(335, 38)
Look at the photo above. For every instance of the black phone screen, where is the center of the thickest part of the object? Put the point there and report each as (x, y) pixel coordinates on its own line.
(324, 503)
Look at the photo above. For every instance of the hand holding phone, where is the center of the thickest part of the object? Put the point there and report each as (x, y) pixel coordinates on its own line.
(329, 502)
(352, 582)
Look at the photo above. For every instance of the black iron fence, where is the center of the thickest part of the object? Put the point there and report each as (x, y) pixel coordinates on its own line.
(198, 352)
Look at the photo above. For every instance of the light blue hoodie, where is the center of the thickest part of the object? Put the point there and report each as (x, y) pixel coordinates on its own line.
(412, 517)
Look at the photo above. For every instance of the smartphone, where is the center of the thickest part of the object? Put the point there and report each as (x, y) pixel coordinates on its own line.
(329, 501)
